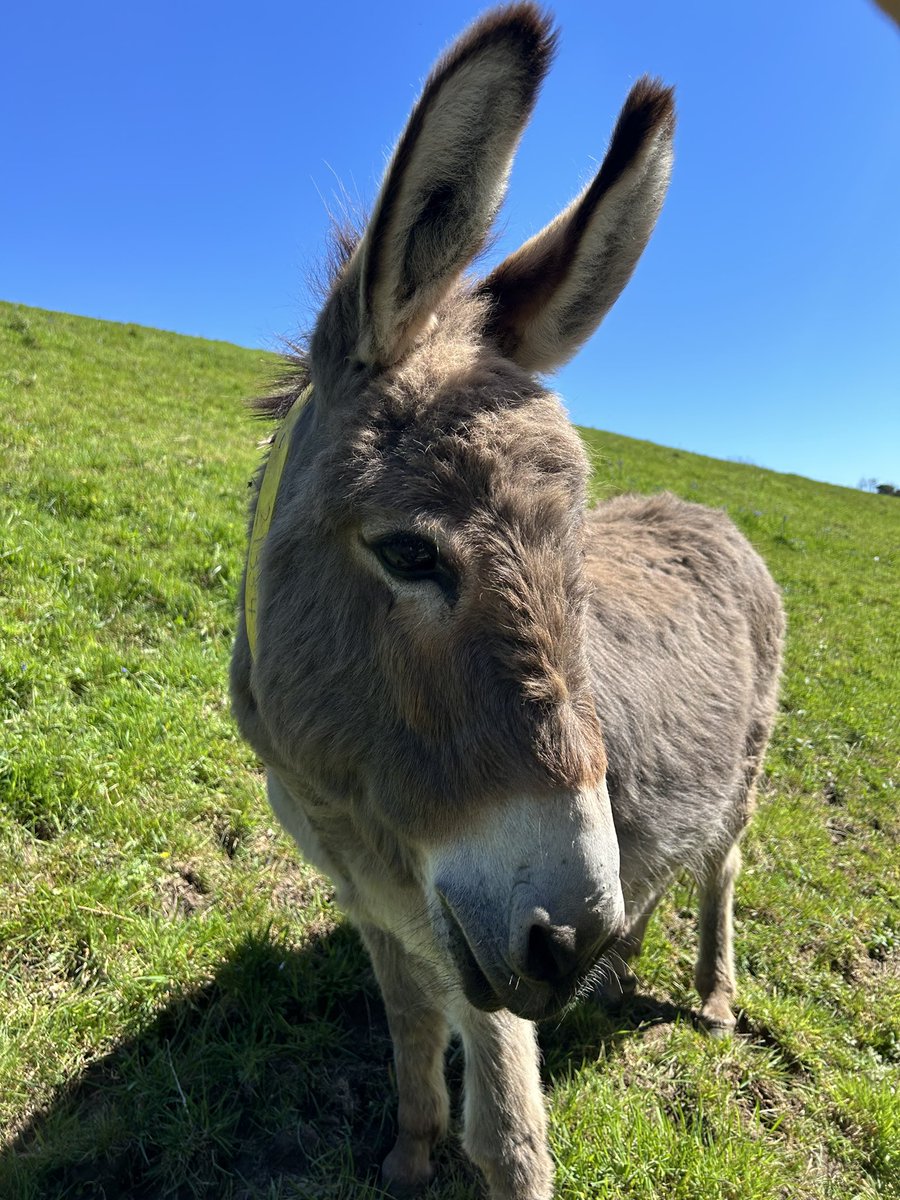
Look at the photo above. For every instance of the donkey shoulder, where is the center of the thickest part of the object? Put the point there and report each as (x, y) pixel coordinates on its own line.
(682, 558)
(687, 619)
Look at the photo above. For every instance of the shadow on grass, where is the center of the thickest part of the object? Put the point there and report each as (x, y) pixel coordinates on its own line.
(275, 1079)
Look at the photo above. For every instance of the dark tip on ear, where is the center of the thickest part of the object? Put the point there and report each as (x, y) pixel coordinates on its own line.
(650, 107)
(525, 23)
(648, 110)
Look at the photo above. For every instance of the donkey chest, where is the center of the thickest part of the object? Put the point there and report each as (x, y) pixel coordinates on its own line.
(319, 845)
(368, 887)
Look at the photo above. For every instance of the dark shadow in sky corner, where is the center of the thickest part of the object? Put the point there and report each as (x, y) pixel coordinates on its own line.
(276, 1068)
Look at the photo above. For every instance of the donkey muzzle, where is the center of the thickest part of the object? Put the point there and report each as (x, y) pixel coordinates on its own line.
(529, 900)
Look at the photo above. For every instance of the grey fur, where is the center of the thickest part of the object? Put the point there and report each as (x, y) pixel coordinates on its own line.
(500, 766)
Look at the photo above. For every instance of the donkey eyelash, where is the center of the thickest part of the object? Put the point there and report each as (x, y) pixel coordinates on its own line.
(412, 558)
(407, 553)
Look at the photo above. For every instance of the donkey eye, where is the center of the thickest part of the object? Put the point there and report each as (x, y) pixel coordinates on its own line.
(408, 556)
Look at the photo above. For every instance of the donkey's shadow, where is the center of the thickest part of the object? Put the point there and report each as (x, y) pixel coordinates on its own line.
(275, 1079)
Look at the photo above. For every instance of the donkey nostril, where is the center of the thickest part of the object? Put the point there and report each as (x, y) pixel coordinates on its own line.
(550, 954)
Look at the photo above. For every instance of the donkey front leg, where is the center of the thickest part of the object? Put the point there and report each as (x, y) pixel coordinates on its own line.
(419, 1032)
(714, 975)
(618, 983)
(505, 1120)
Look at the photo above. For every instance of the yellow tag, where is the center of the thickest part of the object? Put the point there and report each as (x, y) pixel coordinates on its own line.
(265, 508)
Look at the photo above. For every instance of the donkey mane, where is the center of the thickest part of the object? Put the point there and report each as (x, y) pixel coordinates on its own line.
(292, 373)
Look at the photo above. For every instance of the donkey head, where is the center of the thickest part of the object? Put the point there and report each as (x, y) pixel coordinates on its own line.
(422, 661)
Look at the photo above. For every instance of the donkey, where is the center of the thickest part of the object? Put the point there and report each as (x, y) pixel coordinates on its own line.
(498, 721)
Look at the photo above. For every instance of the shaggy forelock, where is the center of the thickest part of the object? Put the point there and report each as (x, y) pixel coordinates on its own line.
(292, 373)
(457, 429)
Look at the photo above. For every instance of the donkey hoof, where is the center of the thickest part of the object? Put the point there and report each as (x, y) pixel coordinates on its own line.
(407, 1168)
(717, 1019)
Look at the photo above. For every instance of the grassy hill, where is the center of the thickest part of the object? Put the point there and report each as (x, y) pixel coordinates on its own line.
(183, 1012)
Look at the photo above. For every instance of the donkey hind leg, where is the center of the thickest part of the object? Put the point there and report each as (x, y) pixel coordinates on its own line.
(420, 1033)
(504, 1116)
(714, 975)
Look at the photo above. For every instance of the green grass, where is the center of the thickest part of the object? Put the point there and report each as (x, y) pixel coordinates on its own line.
(182, 1011)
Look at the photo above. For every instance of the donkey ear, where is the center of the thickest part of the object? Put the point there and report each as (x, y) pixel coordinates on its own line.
(447, 176)
(551, 295)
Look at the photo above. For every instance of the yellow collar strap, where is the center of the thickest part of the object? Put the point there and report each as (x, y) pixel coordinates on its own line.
(265, 509)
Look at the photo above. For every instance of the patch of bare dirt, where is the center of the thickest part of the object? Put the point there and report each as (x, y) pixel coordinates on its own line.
(289, 882)
(184, 892)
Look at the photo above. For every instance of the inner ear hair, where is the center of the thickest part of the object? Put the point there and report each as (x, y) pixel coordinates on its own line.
(447, 177)
(551, 294)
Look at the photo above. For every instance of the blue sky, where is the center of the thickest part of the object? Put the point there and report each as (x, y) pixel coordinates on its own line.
(171, 164)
